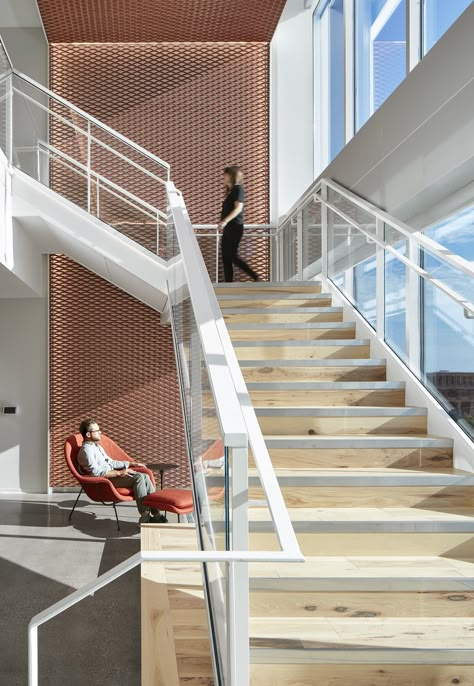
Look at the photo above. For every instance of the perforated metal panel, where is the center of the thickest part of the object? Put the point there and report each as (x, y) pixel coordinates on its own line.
(97, 21)
(179, 101)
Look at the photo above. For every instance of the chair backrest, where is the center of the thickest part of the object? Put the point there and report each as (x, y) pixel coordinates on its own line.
(73, 444)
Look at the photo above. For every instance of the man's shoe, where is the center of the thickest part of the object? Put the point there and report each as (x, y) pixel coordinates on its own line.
(160, 519)
(145, 517)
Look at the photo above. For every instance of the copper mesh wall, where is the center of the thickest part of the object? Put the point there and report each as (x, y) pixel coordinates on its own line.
(128, 21)
(199, 106)
(110, 358)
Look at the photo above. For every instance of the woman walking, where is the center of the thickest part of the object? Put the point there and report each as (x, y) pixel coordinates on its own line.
(232, 224)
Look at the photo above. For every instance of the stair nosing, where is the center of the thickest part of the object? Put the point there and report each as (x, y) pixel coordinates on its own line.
(332, 362)
(318, 343)
(357, 441)
(325, 385)
(242, 326)
(355, 655)
(341, 411)
(282, 310)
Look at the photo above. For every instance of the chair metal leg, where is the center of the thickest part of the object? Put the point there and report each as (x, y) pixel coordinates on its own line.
(116, 516)
(77, 500)
(179, 519)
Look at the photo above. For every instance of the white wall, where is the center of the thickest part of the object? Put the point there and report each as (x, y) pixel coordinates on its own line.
(291, 107)
(23, 383)
(414, 153)
(28, 50)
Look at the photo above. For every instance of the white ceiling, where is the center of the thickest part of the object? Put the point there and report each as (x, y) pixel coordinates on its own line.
(19, 13)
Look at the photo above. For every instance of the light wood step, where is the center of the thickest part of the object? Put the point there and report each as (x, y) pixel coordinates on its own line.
(268, 287)
(302, 350)
(342, 420)
(393, 531)
(282, 315)
(312, 638)
(291, 332)
(404, 454)
(282, 673)
(313, 370)
(273, 300)
(284, 602)
(329, 394)
(358, 573)
(368, 488)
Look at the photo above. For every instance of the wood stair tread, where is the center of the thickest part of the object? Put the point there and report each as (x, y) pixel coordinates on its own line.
(373, 568)
(376, 634)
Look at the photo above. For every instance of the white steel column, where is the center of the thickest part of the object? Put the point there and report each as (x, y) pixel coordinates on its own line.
(414, 33)
(299, 245)
(89, 167)
(9, 116)
(380, 281)
(413, 310)
(324, 232)
(349, 72)
(238, 606)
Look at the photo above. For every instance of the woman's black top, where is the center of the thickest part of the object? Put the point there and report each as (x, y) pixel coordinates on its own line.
(236, 194)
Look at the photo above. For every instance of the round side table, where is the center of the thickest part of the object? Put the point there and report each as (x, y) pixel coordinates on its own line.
(162, 467)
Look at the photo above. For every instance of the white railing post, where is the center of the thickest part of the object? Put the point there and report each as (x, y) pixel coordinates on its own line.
(9, 118)
(324, 232)
(89, 168)
(217, 254)
(157, 234)
(413, 313)
(97, 209)
(380, 280)
(33, 656)
(238, 632)
(299, 245)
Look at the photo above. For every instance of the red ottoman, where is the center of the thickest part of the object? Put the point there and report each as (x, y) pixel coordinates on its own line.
(177, 500)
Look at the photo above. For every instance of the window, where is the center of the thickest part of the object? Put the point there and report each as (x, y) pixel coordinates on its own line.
(380, 53)
(329, 19)
(438, 17)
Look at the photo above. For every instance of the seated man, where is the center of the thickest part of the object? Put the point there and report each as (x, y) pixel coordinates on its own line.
(94, 460)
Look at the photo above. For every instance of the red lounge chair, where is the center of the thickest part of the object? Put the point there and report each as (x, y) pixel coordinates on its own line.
(98, 488)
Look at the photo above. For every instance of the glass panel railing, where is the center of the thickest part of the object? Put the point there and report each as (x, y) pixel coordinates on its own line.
(88, 164)
(448, 354)
(420, 302)
(311, 237)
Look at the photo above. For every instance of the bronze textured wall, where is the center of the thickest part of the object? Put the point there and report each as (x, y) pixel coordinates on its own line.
(199, 106)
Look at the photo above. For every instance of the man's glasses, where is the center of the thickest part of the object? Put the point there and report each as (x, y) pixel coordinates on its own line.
(95, 431)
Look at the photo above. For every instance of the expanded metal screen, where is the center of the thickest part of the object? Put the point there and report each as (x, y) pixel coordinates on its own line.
(109, 354)
(123, 21)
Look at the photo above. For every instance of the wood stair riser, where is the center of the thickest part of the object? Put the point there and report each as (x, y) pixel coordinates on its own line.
(438, 498)
(282, 318)
(287, 333)
(292, 374)
(281, 674)
(359, 604)
(335, 426)
(319, 352)
(334, 544)
(328, 398)
(342, 458)
(267, 290)
(325, 301)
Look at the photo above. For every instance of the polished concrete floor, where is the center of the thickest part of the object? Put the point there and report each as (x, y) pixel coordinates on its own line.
(43, 558)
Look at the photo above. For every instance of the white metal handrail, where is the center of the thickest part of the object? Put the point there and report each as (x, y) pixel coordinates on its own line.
(451, 293)
(86, 133)
(115, 134)
(192, 256)
(441, 253)
(75, 165)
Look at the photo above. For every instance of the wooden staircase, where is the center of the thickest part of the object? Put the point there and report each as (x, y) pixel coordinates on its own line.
(386, 595)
